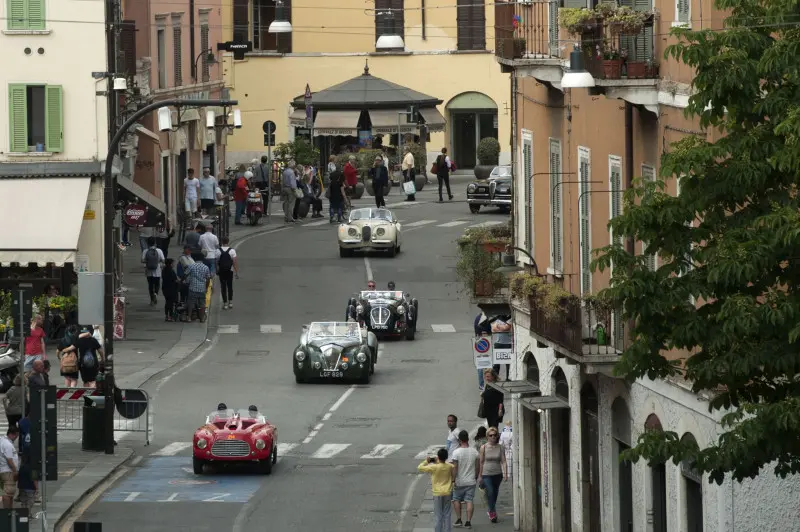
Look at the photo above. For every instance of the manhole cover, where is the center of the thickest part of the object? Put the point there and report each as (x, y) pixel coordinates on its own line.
(420, 361)
(182, 482)
(252, 353)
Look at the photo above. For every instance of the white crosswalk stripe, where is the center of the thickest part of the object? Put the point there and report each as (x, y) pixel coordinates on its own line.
(329, 450)
(286, 448)
(271, 329)
(485, 224)
(420, 222)
(440, 328)
(319, 222)
(173, 448)
(453, 224)
(228, 329)
(382, 451)
(431, 450)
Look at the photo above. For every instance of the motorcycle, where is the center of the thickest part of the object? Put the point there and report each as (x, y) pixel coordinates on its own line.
(255, 207)
(9, 364)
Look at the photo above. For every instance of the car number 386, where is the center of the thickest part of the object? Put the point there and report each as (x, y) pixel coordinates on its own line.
(331, 374)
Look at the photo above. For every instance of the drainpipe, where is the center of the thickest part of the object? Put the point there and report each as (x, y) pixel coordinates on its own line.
(422, 11)
(629, 159)
(191, 42)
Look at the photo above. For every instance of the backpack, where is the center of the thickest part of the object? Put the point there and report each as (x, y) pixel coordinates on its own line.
(88, 361)
(69, 362)
(225, 260)
(151, 260)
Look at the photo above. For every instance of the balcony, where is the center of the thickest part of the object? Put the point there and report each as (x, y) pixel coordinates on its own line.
(526, 38)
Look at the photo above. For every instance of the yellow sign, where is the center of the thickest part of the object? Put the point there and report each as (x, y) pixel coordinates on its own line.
(231, 436)
(88, 214)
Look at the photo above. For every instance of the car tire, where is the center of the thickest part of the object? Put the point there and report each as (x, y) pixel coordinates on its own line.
(474, 209)
(344, 253)
(392, 251)
(411, 331)
(265, 466)
(197, 465)
(274, 452)
(298, 379)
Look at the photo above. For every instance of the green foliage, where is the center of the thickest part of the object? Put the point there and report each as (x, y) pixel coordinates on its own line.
(477, 265)
(488, 151)
(300, 149)
(547, 297)
(5, 306)
(729, 241)
(576, 20)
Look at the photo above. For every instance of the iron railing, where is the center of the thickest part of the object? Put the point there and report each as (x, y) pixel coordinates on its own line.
(610, 55)
(535, 35)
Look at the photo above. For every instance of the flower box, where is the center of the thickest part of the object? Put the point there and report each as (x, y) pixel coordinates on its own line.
(612, 68)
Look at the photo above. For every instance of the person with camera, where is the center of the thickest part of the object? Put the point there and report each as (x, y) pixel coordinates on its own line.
(442, 479)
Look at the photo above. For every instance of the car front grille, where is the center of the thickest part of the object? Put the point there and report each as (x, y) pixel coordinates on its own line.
(230, 448)
(380, 315)
(331, 358)
(492, 188)
(366, 233)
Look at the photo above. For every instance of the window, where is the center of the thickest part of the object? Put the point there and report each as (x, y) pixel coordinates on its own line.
(161, 37)
(389, 25)
(177, 50)
(649, 175)
(36, 118)
(584, 176)
(683, 13)
(26, 15)
(552, 24)
(241, 22)
(639, 46)
(128, 42)
(556, 219)
(527, 179)
(615, 209)
(204, 46)
(471, 22)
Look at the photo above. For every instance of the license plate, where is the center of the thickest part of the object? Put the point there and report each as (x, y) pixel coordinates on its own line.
(379, 327)
(331, 373)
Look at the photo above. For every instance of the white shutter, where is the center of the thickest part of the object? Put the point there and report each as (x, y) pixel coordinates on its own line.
(684, 11)
(552, 24)
(615, 187)
(556, 227)
(649, 175)
(584, 176)
(527, 171)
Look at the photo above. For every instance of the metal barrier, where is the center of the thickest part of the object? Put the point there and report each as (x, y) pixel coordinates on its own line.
(130, 409)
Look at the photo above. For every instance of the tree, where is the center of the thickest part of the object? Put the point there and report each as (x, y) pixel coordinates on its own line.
(731, 242)
(300, 150)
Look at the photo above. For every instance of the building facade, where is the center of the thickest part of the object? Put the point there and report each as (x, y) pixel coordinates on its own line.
(576, 151)
(54, 137)
(446, 54)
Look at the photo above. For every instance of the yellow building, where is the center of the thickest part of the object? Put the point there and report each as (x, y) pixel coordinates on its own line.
(446, 54)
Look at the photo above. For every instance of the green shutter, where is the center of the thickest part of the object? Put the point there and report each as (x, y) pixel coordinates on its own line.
(616, 196)
(18, 118)
(555, 207)
(586, 251)
(17, 14)
(54, 119)
(35, 14)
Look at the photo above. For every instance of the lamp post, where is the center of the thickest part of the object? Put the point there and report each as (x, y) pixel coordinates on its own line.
(210, 60)
(509, 262)
(109, 193)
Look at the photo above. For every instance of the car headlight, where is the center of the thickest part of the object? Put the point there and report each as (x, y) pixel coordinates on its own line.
(361, 357)
(381, 231)
(300, 356)
(260, 444)
(401, 309)
(202, 444)
(359, 309)
(352, 231)
(471, 188)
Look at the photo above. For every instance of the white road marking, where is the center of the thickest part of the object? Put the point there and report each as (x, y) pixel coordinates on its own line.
(136, 461)
(320, 222)
(310, 436)
(271, 329)
(329, 450)
(420, 222)
(383, 450)
(440, 328)
(132, 496)
(407, 502)
(336, 405)
(342, 399)
(327, 416)
(227, 329)
(173, 448)
(368, 267)
(485, 224)
(429, 451)
(453, 224)
(216, 498)
(319, 426)
(285, 448)
(171, 498)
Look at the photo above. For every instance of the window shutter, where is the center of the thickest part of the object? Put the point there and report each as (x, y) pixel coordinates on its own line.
(54, 119)
(18, 118)
(177, 36)
(241, 20)
(555, 207)
(683, 11)
(284, 40)
(35, 14)
(477, 25)
(463, 12)
(649, 175)
(552, 23)
(17, 14)
(586, 251)
(128, 41)
(527, 168)
(616, 197)
(617, 332)
(204, 45)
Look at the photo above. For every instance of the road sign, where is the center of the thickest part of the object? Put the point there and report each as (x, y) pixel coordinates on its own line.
(22, 309)
(411, 114)
(135, 215)
(269, 140)
(268, 127)
(481, 350)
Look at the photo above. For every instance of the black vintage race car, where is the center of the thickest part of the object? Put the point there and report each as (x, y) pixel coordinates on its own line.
(335, 350)
(385, 312)
(492, 192)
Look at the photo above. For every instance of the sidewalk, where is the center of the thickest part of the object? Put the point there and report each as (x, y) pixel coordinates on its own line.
(480, 521)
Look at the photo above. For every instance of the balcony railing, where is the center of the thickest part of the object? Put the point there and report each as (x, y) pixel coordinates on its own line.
(526, 30)
(609, 55)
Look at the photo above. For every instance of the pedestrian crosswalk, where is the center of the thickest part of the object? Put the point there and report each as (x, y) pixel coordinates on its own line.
(407, 224)
(278, 329)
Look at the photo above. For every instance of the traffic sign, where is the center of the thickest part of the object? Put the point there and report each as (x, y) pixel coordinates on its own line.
(269, 140)
(481, 348)
(307, 95)
(268, 127)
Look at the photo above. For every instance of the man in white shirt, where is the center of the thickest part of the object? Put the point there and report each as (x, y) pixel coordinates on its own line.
(191, 189)
(452, 436)
(408, 171)
(208, 186)
(209, 243)
(9, 466)
(466, 461)
(153, 259)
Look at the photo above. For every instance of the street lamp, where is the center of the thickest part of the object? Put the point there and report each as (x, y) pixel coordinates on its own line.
(577, 77)
(281, 23)
(210, 60)
(389, 41)
(509, 262)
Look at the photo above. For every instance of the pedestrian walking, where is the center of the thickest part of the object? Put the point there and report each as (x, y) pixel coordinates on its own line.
(67, 355)
(442, 479)
(90, 354)
(227, 266)
(452, 433)
(240, 191)
(492, 400)
(409, 175)
(507, 441)
(493, 469)
(480, 438)
(466, 462)
(163, 234)
(261, 176)
(209, 243)
(9, 466)
(170, 286)
(192, 241)
(331, 168)
(153, 260)
(25, 483)
(288, 197)
(34, 343)
(379, 175)
(337, 196)
(14, 402)
(144, 235)
(191, 191)
(443, 168)
(199, 276)
(208, 186)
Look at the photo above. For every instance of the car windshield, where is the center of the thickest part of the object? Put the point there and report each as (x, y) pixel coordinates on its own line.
(381, 294)
(251, 414)
(335, 329)
(220, 415)
(501, 171)
(371, 214)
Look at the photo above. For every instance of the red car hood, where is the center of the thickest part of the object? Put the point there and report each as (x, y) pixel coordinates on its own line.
(235, 429)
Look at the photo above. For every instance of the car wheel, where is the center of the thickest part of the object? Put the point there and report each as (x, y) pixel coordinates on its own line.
(265, 466)
(392, 251)
(412, 329)
(197, 465)
(298, 379)
(343, 253)
(274, 452)
(474, 209)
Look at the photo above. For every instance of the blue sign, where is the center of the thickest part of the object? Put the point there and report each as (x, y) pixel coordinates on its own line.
(482, 345)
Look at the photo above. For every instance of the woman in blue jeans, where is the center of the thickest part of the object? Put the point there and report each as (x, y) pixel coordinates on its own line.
(493, 469)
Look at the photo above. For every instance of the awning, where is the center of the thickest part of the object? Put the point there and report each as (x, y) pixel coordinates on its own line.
(298, 118)
(42, 218)
(385, 121)
(135, 196)
(520, 387)
(543, 402)
(336, 123)
(434, 120)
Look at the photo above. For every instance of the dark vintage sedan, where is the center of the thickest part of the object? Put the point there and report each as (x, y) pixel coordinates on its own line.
(335, 350)
(385, 312)
(492, 192)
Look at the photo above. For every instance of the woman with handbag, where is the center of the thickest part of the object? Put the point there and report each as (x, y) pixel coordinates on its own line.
(493, 469)
(492, 400)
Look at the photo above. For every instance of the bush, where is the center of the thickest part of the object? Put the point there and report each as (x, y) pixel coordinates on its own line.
(476, 265)
(299, 149)
(489, 151)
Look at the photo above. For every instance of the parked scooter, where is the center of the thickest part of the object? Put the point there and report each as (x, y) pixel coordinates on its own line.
(9, 364)
(255, 207)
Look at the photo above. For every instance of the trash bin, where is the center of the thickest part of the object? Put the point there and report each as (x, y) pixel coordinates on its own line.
(94, 424)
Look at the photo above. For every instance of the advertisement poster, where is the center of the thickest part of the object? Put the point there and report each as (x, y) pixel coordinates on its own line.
(119, 318)
(502, 343)
(482, 352)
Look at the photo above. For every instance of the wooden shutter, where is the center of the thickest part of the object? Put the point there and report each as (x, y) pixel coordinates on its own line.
(556, 261)
(18, 118)
(204, 45)
(241, 20)
(284, 40)
(177, 49)
(471, 23)
(54, 119)
(639, 47)
(649, 175)
(585, 235)
(463, 14)
(615, 185)
(552, 23)
(128, 42)
(527, 170)
(35, 14)
(17, 14)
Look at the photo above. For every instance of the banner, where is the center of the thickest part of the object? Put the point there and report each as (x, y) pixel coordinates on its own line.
(482, 352)
(502, 347)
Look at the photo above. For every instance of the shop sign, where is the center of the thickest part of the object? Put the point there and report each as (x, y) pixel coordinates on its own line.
(335, 132)
(482, 352)
(135, 215)
(89, 214)
(502, 348)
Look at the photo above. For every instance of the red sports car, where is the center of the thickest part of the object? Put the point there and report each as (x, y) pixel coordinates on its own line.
(236, 436)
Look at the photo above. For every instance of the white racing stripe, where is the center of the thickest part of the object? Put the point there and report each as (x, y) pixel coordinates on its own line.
(329, 450)
(439, 328)
(173, 448)
(382, 451)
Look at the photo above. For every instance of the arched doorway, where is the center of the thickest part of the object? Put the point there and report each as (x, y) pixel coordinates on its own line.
(590, 440)
(623, 470)
(562, 490)
(472, 116)
(533, 426)
(692, 490)
(658, 483)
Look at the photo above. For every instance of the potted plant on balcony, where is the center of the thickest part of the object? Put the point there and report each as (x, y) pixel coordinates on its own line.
(612, 61)
(599, 313)
(488, 152)
(549, 298)
(491, 240)
(475, 269)
(577, 20)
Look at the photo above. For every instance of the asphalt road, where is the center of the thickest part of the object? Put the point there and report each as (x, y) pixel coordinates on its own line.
(348, 454)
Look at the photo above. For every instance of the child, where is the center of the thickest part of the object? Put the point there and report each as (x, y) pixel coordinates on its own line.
(25, 482)
(170, 288)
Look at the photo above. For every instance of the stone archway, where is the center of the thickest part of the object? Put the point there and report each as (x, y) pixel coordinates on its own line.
(590, 457)
(472, 116)
(692, 491)
(560, 435)
(622, 471)
(658, 483)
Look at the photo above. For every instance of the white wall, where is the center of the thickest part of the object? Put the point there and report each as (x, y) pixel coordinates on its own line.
(74, 47)
(90, 241)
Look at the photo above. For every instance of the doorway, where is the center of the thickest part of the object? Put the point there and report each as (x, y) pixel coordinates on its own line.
(591, 464)
(562, 458)
(464, 146)
(472, 117)
(181, 167)
(210, 159)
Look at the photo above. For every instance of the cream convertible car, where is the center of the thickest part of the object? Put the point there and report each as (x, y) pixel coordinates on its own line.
(370, 229)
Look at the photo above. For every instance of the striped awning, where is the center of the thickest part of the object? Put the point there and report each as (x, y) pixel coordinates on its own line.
(385, 121)
(336, 123)
(434, 120)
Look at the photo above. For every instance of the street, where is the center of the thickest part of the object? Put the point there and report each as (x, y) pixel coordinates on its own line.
(348, 453)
